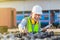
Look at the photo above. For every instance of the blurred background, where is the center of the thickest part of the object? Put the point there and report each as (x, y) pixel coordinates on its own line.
(13, 11)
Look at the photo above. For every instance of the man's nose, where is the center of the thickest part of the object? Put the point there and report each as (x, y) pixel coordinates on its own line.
(37, 16)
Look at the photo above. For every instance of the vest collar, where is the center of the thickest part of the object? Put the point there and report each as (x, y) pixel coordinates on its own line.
(32, 21)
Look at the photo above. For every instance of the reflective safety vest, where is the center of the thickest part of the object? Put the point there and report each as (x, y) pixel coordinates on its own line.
(32, 27)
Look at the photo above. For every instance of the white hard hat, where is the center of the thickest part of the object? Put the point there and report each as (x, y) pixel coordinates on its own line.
(37, 9)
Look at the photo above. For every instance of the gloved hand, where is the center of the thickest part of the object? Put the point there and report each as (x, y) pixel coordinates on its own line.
(44, 29)
(23, 32)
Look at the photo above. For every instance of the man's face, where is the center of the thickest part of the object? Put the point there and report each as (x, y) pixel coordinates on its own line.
(36, 17)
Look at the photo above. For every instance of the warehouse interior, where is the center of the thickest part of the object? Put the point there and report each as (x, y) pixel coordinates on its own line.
(13, 11)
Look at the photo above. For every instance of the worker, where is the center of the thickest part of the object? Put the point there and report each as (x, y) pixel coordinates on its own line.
(32, 23)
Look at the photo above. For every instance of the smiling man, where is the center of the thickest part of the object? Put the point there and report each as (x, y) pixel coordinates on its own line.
(32, 23)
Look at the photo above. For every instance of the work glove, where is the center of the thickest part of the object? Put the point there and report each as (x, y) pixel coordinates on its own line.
(23, 32)
(44, 29)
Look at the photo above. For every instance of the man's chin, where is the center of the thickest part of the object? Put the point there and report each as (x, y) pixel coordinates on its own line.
(36, 20)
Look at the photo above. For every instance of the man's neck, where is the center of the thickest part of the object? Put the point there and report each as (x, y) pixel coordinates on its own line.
(33, 21)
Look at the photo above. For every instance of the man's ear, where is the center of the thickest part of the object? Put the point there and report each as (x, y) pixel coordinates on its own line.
(31, 14)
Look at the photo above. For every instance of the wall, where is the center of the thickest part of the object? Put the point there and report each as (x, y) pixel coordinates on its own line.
(27, 5)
